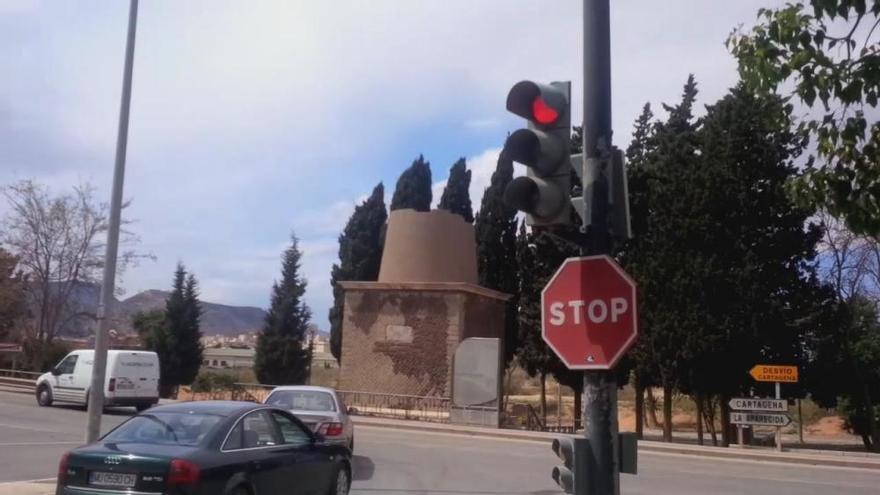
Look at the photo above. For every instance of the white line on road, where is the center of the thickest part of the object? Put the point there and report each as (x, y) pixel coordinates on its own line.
(37, 444)
(40, 480)
(19, 427)
(792, 465)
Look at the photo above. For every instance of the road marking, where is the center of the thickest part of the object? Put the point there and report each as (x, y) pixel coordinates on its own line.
(29, 428)
(25, 444)
(40, 480)
(789, 465)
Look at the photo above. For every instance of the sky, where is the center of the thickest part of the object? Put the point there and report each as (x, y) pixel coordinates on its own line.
(254, 119)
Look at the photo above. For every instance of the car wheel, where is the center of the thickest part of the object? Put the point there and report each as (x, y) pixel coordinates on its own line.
(44, 396)
(341, 482)
(239, 490)
(351, 444)
(142, 407)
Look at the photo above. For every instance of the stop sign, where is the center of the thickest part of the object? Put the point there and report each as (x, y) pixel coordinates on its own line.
(588, 312)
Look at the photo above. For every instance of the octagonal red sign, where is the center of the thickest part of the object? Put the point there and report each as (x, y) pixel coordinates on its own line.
(588, 312)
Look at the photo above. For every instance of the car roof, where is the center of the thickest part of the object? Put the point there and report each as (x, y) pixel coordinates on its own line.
(218, 407)
(304, 388)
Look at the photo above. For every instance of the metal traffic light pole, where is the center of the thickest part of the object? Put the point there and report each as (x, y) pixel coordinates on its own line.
(600, 387)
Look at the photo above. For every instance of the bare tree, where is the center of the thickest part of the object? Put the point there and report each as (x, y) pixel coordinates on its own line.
(852, 261)
(59, 242)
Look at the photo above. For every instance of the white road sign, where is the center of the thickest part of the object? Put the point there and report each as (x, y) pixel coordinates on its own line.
(757, 404)
(759, 419)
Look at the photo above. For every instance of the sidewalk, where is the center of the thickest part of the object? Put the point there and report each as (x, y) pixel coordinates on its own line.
(861, 460)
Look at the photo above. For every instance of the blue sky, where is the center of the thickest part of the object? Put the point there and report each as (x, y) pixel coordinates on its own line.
(252, 119)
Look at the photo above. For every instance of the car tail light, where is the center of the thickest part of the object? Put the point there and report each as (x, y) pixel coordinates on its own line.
(62, 467)
(330, 429)
(183, 472)
(111, 387)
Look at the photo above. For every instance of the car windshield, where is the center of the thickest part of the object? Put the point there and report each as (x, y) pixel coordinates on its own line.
(303, 400)
(177, 428)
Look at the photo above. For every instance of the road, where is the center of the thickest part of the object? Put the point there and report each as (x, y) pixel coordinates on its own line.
(409, 463)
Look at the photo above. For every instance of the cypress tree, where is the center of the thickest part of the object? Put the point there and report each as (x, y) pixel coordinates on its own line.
(456, 195)
(413, 188)
(360, 256)
(283, 353)
(495, 229)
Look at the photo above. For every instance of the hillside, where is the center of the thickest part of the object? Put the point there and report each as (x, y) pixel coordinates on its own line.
(217, 319)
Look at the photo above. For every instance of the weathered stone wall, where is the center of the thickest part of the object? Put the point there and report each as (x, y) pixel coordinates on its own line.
(401, 338)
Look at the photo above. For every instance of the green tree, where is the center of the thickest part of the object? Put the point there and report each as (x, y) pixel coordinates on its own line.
(189, 343)
(456, 196)
(413, 188)
(152, 329)
(636, 249)
(12, 294)
(178, 341)
(495, 230)
(533, 354)
(819, 51)
(846, 370)
(283, 355)
(360, 256)
(663, 157)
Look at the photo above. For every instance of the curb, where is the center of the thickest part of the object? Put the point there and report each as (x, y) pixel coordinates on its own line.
(647, 446)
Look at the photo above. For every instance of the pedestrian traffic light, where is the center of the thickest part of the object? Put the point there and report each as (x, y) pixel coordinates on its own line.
(544, 148)
(572, 475)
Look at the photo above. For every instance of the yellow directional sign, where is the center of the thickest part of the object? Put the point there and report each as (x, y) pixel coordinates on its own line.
(774, 373)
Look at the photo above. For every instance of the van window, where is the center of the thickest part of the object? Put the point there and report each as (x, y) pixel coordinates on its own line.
(67, 366)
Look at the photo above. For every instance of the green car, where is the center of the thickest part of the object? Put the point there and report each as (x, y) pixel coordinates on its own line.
(208, 448)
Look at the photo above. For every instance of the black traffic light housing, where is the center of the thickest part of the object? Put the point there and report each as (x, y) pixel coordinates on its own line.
(571, 476)
(544, 148)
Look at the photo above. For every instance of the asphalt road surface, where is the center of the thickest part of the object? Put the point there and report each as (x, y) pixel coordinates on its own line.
(405, 462)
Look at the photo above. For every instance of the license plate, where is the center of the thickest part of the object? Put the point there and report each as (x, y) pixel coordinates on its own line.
(112, 479)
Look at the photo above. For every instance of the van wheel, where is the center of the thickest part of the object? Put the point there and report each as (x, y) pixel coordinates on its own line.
(142, 407)
(44, 396)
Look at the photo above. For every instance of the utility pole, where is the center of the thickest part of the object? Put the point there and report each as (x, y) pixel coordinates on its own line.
(600, 387)
(99, 370)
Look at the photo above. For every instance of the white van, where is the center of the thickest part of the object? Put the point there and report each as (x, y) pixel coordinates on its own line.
(132, 379)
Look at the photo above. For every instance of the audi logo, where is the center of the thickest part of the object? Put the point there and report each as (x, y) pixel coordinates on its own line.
(113, 459)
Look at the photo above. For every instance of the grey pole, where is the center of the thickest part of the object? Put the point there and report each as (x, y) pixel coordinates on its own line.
(600, 387)
(99, 370)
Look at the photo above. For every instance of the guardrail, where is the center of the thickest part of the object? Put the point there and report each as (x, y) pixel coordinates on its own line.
(18, 381)
(396, 406)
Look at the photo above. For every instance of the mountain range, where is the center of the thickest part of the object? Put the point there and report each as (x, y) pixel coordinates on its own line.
(217, 319)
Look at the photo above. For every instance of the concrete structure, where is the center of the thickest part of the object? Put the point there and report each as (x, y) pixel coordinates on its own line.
(435, 246)
(399, 334)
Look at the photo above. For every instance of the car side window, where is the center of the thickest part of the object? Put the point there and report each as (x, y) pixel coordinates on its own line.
(233, 441)
(258, 431)
(291, 432)
(67, 366)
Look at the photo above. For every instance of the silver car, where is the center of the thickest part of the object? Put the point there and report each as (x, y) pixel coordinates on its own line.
(320, 408)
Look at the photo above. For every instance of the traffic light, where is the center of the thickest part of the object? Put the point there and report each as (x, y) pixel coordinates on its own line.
(609, 174)
(572, 475)
(544, 147)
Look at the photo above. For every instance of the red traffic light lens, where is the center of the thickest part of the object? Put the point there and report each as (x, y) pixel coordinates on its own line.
(542, 112)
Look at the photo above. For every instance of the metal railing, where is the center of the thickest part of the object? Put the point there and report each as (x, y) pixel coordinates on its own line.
(375, 404)
(18, 381)
(397, 406)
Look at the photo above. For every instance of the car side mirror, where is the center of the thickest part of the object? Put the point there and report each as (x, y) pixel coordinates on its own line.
(318, 438)
(352, 410)
(55, 371)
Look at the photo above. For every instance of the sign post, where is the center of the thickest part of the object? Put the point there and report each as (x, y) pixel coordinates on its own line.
(778, 374)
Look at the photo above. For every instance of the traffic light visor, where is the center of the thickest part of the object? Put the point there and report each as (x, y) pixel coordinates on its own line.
(538, 103)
